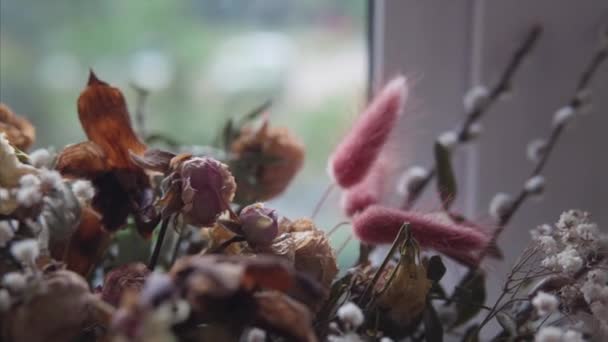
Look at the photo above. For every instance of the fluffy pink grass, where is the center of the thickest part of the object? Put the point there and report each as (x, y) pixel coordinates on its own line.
(354, 156)
(369, 191)
(377, 225)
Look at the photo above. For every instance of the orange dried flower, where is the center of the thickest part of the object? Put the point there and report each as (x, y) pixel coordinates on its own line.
(105, 159)
(273, 155)
(19, 131)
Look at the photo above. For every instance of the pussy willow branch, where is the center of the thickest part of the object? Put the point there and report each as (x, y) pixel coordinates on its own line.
(503, 86)
(556, 132)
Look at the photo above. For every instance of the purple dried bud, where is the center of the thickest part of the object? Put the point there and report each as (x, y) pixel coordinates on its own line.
(207, 190)
(259, 224)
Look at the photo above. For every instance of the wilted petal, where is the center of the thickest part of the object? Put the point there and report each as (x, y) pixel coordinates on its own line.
(277, 312)
(105, 119)
(83, 160)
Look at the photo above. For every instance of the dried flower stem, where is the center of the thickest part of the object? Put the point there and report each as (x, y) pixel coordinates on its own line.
(322, 200)
(140, 110)
(159, 244)
(403, 234)
(556, 132)
(502, 87)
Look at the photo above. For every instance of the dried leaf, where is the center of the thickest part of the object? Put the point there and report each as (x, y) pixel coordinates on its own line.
(433, 329)
(435, 268)
(277, 312)
(153, 159)
(471, 293)
(446, 182)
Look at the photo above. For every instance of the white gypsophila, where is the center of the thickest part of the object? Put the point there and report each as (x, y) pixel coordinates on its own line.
(25, 251)
(474, 131)
(573, 336)
(598, 276)
(6, 231)
(542, 230)
(549, 334)
(14, 281)
(570, 219)
(587, 231)
(569, 260)
(563, 115)
(500, 205)
(28, 194)
(348, 337)
(351, 314)
(474, 98)
(535, 185)
(411, 179)
(51, 179)
(448, 139)
(256, 335)
(83, 190)
(386, 339)
(547, 244)
(4, 194)
(42, 158)
(5, 300)
(545, 303)
(536, 149)
(593, 291)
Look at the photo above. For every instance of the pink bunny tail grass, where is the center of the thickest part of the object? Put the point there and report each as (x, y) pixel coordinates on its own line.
(377, 224)
(369, 191)
(354, 156)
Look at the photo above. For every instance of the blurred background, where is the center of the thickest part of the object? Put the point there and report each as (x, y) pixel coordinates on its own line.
(203, 62)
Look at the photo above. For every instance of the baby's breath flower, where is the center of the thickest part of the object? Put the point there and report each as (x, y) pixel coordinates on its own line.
(411, 179)
(474, 98)
(549, 334)
(587, 231)
(51, 179)
(448, 139)
(386, 339)
(5, 300)
(28, 194)
(536, 149)
(573, 336)
(500, 205)
(14, 281)
(563, 115)
(6, 232)
(545, 303)
(598, 276)
(569, 260)
(535, 185)
(351, 315)
(547, 244)
(26, 251)
(83, 190)
(256, 335)
(42, 158)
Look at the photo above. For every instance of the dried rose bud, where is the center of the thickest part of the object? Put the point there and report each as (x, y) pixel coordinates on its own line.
(259, 224)
(18, 130)
(126, 277)
(272, 155)
(207, 190)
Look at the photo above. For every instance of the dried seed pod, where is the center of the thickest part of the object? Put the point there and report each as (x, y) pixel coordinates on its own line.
(19, 131)
(272, 155)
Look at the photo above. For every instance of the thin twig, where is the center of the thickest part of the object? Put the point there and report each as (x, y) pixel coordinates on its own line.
(322, 200)
(503, 86)
(556, 132)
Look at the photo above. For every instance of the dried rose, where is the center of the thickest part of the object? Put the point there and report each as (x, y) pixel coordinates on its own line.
(259, 224)
(128, 277)
(207, 190)
(59, 310)
(279, 313)
(19, 131)
(265, 161)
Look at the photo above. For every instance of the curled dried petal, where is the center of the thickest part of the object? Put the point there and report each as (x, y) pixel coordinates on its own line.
(19, 131)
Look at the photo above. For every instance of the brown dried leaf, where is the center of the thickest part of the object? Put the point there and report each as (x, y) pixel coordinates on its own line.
(19, 131)
(82, 160)
(153, 159)
(314, 256)
(105, 119)
(405, 295)
(281, 314)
